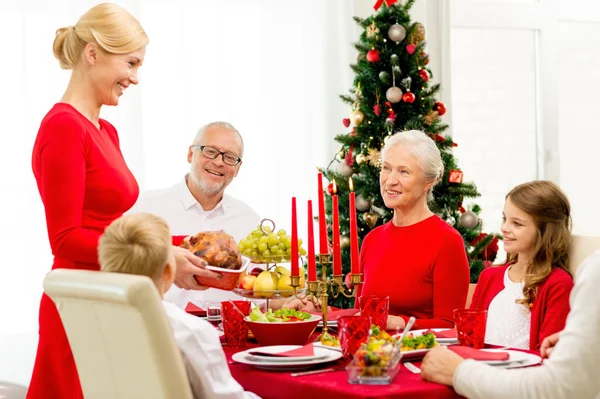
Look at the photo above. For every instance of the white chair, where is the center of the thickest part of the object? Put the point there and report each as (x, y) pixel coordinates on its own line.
(581, 248)
(119, 334)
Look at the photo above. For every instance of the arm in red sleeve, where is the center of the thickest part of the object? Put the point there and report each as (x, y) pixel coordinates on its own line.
(476, 302)
(450, 284)
(557, 306)
(61, 180)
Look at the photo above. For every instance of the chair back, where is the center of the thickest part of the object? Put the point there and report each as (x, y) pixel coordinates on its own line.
(581, 248)
(119, 333)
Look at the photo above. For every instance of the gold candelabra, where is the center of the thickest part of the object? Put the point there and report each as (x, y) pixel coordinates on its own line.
(319, 290)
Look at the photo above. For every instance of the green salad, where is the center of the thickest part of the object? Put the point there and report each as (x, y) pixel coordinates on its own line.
(425, 341)
(278, 316)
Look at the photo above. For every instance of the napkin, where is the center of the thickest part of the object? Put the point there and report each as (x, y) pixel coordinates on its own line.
(443, 334)
(476, 354)
(194, 310)
(306, 350)
(336, 314)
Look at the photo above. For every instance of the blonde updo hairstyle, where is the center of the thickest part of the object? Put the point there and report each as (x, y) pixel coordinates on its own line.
(424, 149)
(113, 29)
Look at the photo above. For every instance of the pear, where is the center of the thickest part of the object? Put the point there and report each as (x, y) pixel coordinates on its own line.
(284, 285)
(266, 281)
(283, 271)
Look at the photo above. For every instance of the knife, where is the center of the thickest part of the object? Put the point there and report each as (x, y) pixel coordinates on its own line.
(317, 371)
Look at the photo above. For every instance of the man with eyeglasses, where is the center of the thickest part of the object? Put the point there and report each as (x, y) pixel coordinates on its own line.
(199, 203)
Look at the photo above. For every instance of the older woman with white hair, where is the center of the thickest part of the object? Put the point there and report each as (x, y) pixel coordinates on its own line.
(416, 259)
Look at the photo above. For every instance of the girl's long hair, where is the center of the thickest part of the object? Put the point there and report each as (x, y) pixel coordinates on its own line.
(550, 210)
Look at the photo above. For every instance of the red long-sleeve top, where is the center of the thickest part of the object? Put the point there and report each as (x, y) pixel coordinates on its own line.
(83, 181)
(549, 309)
(423, 268)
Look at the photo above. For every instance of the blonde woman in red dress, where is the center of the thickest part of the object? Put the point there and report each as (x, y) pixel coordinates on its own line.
(81, 175)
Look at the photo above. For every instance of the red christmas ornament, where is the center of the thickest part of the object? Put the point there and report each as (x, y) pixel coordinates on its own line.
(349, 159)
(410, 49)
(330, 188)
(408, 97)
(489, 253)
(439, 107)
(373, 56)
(425, 57)
(346, 122)
(424, 75)
(377, 109)
(439, 138)
(455, 176)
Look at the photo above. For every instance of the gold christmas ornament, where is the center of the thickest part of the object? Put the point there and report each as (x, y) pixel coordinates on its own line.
(372, 30)
(357, 117)
(344, 242)
(370, 219)
(417, 34)
(431, 117)
(360, 158)
(374, 157)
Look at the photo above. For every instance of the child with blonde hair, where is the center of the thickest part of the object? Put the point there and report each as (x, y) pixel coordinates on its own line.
(140, 244)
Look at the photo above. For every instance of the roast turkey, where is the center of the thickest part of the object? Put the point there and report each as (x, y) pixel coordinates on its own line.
(215, 247)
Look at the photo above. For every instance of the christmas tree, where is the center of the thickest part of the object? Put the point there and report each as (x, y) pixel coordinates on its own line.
(391, 93)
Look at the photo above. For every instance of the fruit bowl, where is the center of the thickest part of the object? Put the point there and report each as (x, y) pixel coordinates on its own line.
(283, 333)
(267, 294)
(230, 278)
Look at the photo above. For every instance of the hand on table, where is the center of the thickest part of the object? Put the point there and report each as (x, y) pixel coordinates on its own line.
(439, 365)
(305, 304)
(189, 265)
(548, 345)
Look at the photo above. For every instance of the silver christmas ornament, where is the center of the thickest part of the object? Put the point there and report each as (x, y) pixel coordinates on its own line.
(362, 204)
(344, 170)
(397, 33)
(394, 94)
(450, 220)
(469, 220)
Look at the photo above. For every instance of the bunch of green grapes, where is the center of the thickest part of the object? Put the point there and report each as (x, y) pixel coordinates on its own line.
(264, 247)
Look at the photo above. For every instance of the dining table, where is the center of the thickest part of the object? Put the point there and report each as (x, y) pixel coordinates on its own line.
(330, 385)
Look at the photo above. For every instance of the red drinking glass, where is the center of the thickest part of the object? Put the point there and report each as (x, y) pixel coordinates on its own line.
(353, 331)
(376, 308)
(234, 325)
(470, 327)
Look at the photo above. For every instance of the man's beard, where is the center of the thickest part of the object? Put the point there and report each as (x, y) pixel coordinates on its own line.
(208, 188)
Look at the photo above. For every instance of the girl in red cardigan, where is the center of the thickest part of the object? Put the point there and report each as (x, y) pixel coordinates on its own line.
(528, 298)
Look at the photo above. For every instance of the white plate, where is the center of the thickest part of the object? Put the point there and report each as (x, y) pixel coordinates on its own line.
(281, 348)
(330, 323)
(272, 364)
(439, 340)
(416, 354)
(333, 348)
(516, 359)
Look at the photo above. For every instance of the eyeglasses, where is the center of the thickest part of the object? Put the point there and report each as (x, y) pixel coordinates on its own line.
(213, 153)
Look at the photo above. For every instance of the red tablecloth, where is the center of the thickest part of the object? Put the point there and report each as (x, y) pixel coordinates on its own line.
(332, 385)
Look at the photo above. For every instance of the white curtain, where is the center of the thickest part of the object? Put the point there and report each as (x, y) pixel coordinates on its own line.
(273, 69)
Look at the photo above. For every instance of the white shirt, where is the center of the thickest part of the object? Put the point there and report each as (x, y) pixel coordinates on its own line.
(508, 323)
(572, 369)
(185, 216)
(203, 356)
